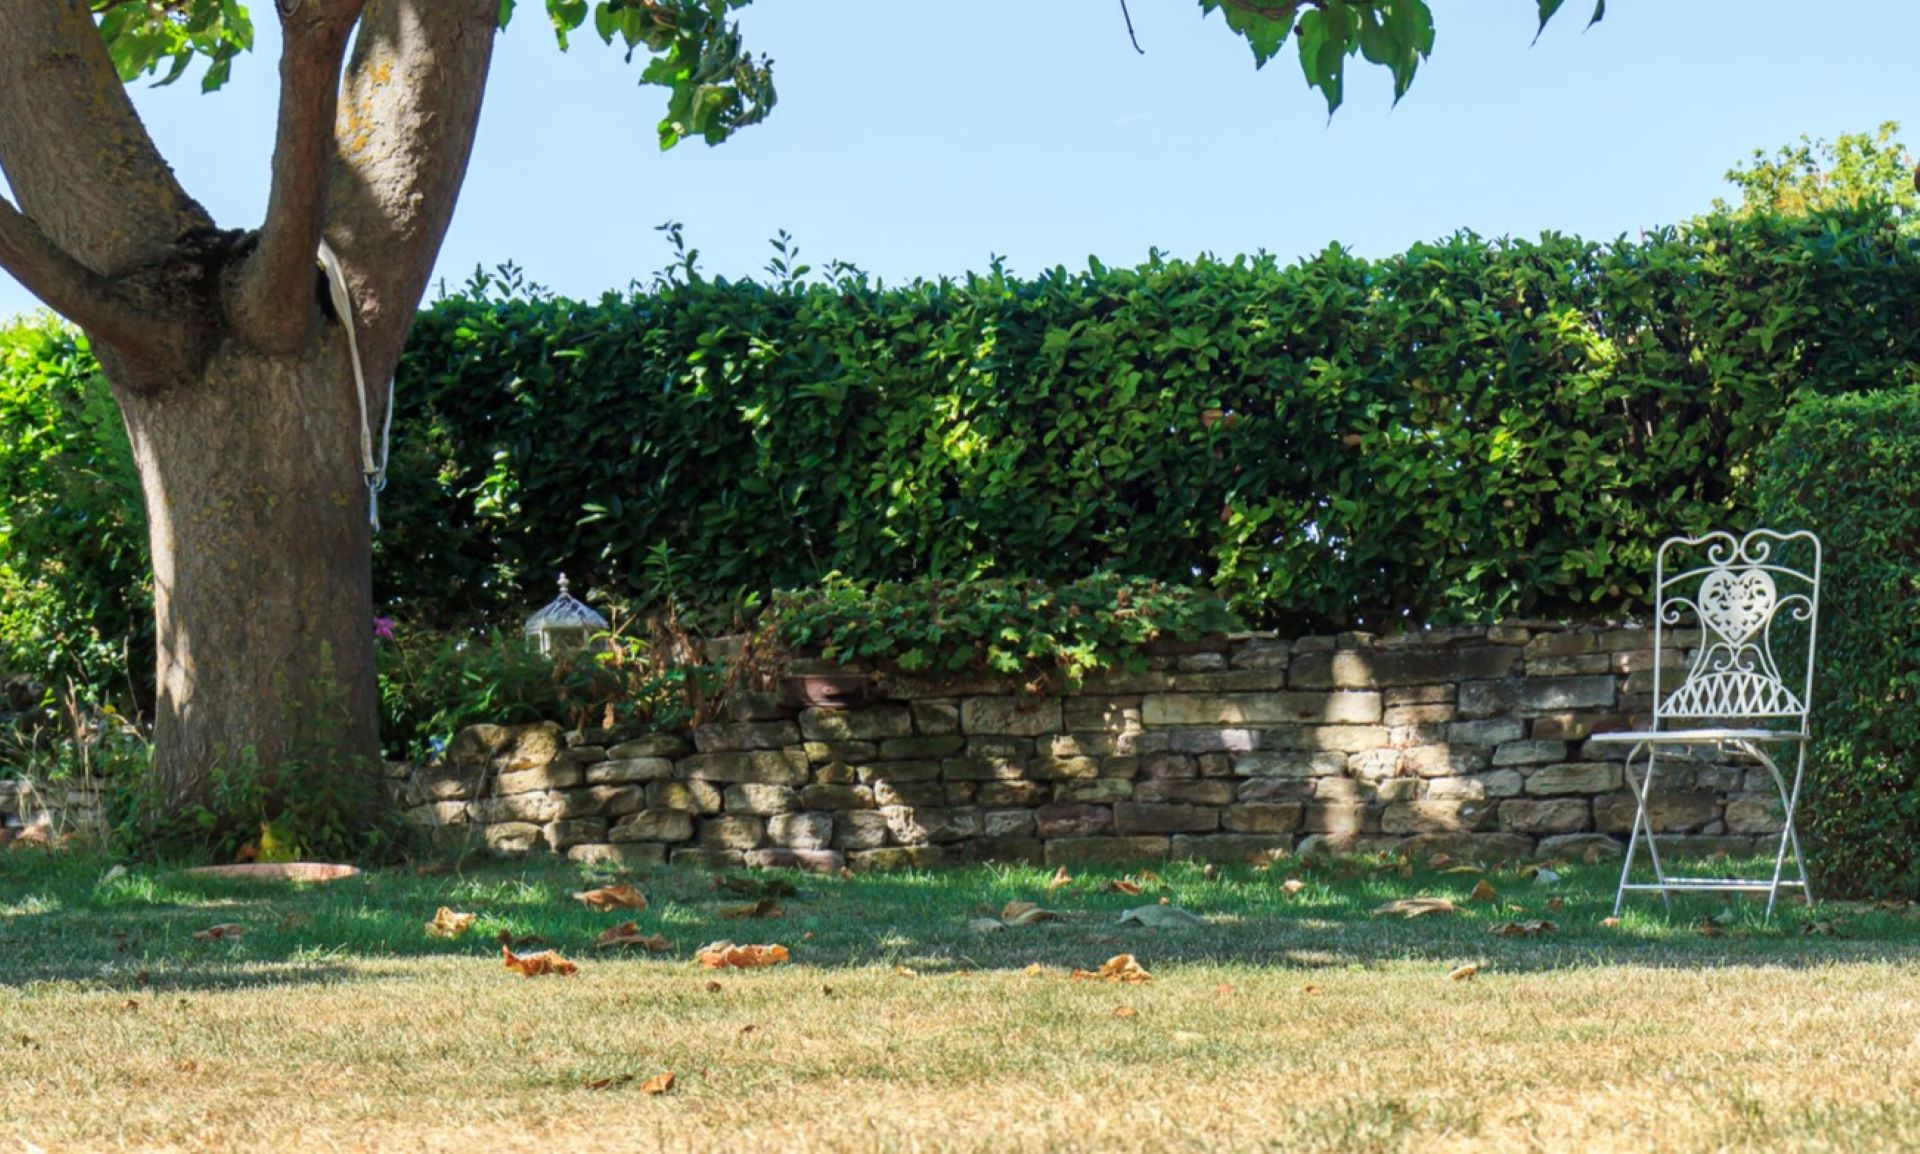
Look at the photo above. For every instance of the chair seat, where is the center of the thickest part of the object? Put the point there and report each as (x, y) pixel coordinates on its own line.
(1695, 736)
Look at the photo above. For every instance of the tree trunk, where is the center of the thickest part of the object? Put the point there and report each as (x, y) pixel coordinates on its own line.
(261, 560)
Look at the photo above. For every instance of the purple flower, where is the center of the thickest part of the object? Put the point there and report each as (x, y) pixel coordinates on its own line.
(383, 628)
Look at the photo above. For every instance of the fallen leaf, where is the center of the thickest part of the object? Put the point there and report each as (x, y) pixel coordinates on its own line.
(1466, 869)
(1163, 917)
(1439, 860)
(220, 932)
(986, 925)
(1210, 871)
(1035, 970)
(1725, 917)
(1416, 907)
(845, 872)
(628, 934)
(1292, 886)
(1609, 923)
(536, 965)
(1707, 929)
(749, 1028)
(1464, 973)
(1555, 905)
(1125, 1012)
(721, 955)
(1123, 886)
(431, 868)
(764, 908)
(1532, 929)
(447, 923)
(1025, 914)
(1224, 989)
(1311, 990)
(716, 987)
(658, 1084)
(510, 940)
(609, 1082)
(615, 897)
(1119, 968)
(130, 1004)
(1483, 892)
(1819, 929)
(904, 972)
(1593, 854)
(118, 871)
(1545, 877)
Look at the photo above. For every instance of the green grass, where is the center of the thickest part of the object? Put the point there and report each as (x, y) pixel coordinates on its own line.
(1288, 1020)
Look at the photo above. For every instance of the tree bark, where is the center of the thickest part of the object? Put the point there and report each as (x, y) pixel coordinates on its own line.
(263, 597)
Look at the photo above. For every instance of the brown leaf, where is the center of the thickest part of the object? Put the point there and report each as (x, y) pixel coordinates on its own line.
(431, 868)
(1225, 989)
(1311, 990)
(1555, 905)
(1483, 892)
(130, 1004)
(1119, 968)
(1819, 929)
(1532, 929)
(628, 934)
(1292, 886)
(1465, 869)
(658, 1084)
(510, 940)
(535, 965)
(447, 923)
(904, 972)
(1708, 930)
(615, 897)
(721, 955)
(1416, 907)
(1464, 973)
(1025, 914)
(716, 987)
(1035, 970)
(220, 932)
(1609, 923)
(1060, 878)
(1125, 1012)
(609, 1082)
(1123, 886)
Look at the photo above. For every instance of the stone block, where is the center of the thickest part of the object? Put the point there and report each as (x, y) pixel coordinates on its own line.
(1581, 847)
(1229, 847)
(1134, 817)
(738, 736)
(1072, 820)
(1488, 731)
(1569, 666)
(667, 745)
(1530, 753)
(1560, 644)
(760, 799)
(1400, 666)
(800, 830)
(1220, 709)
(685, 796)
(1443, 760)
(1213, 740)
(653, 825)
(1573, 726)
(1261, 653)
(1667, 811)
(1561, 815)
(1269, 789)
(935, 718)
(1436, 713)
(1749, 815)
(1410, 817)
(749, 705)
(1264, 817)
(531, 746)
(1000, 745)
(619, 856)
(1100, 791)
(450, 780)
(836, 797)
(860, 829)
(1320, 845)
(983, 769)
(1200, 662)
(561, 836)
(511, 838)
(1006, 823)
(906, 748)
(537, 808)
(1574, 777)
(555, 774)
(898, 858)
(1226, 681)
(1063, 768)
(1494, 784)
(1485, 847)
(1012, 716)
(815, 860)
(1214, 764)
(1508, 634)
(1076, 850)
(887, 793)
(1335, 738)
(1102, 714)
(848, 752)
(913, 825)
(1168, 767)
(1297, 764)
(868, 723)
(732, 832)
(626, 770)
(1536, 695)
(1342, 818)
(769, 767)
(717, 860)
(478, 744)
(1013, 793)
(611, 800)
(1208, 791)
(1405, 695)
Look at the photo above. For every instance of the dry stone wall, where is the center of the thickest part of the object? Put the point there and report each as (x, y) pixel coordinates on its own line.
(1470, 741)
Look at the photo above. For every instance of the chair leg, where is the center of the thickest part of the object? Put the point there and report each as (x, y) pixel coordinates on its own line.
(1789, 837)
(1640, 823)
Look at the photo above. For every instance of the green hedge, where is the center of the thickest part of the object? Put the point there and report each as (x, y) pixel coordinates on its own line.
(1849, 469)
(1469, 429)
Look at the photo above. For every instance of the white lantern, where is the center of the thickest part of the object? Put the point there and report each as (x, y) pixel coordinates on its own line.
(564, 626)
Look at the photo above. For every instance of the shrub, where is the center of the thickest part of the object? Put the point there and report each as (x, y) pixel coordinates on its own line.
(1849, 469)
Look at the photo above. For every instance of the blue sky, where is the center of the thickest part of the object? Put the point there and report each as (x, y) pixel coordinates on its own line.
(920, 138)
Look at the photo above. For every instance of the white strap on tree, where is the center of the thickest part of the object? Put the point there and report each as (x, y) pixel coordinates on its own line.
(374, 470)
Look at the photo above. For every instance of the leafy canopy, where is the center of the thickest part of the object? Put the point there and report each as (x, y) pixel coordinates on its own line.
(715, 86)
(1855, 169)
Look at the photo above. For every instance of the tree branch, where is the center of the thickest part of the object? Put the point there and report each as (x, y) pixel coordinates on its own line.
(68, 287)
(409, 109)
(273, 300)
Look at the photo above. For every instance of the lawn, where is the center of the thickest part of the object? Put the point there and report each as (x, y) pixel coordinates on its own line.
(1291, 1019)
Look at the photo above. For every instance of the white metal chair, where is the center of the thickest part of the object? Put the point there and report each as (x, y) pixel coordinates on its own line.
(1738, 693)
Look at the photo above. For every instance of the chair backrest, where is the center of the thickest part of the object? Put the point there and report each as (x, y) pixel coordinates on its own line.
(1756, 603)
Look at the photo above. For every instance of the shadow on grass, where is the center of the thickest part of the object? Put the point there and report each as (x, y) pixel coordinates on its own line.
(73, 919)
